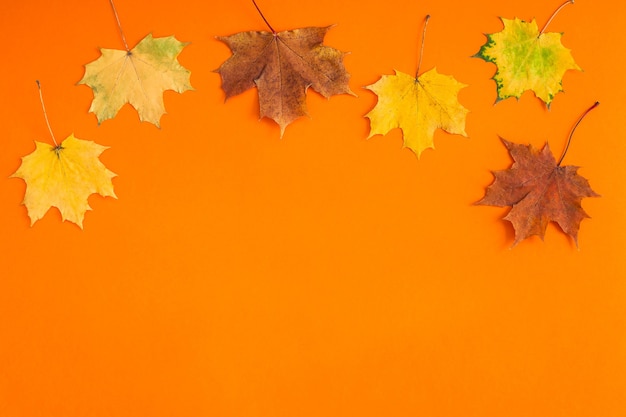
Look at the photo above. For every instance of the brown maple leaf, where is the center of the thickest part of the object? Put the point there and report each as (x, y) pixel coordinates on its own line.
(283, 65)
(539, 190)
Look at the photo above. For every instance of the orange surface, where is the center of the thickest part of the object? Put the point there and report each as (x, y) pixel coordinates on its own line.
(323, 274)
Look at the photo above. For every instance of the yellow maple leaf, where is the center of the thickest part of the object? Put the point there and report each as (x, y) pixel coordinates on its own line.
(64, 176)
(138, 76)
(418, 106)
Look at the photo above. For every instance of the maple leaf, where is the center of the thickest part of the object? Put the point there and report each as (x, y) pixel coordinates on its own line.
(138, 76)
(539, 190)
(527, 59)
(418, 106)
(64, 176)
(282, 66)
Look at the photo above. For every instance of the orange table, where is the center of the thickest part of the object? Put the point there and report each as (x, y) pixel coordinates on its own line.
(322, 274)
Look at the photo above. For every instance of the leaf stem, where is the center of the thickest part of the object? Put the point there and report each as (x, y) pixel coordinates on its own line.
(45, 114)
(569, 140)
(263, 17)
(419, 62)
(119, 25)
(553, 16)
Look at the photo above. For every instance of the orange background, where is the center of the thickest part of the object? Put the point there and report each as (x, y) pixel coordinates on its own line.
(322, 274)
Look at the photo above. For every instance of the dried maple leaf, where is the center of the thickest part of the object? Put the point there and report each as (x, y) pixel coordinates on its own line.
(64, 176)
(539, 190)
(282, 66)
(527, 59)
(138, 76)
(418, 106)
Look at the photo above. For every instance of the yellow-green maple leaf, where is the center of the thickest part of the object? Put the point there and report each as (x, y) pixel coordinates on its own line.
(527, 60)
(417, 106)
(64, 176)
(139, 77)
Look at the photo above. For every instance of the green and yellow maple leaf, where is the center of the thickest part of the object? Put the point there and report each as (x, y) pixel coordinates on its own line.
(527, 60)
(418, 106)
(64, 176)
(138, 76)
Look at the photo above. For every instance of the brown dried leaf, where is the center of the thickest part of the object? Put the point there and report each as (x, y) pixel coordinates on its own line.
(539, 191)
(283, 66)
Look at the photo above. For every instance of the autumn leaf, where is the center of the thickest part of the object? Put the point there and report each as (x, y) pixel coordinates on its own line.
(418, 106)
(282, 66)
(539, 190)
(64, 176)
(138, 76)
(528, 59)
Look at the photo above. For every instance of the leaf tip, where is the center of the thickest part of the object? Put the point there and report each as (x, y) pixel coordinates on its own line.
(479, 202)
